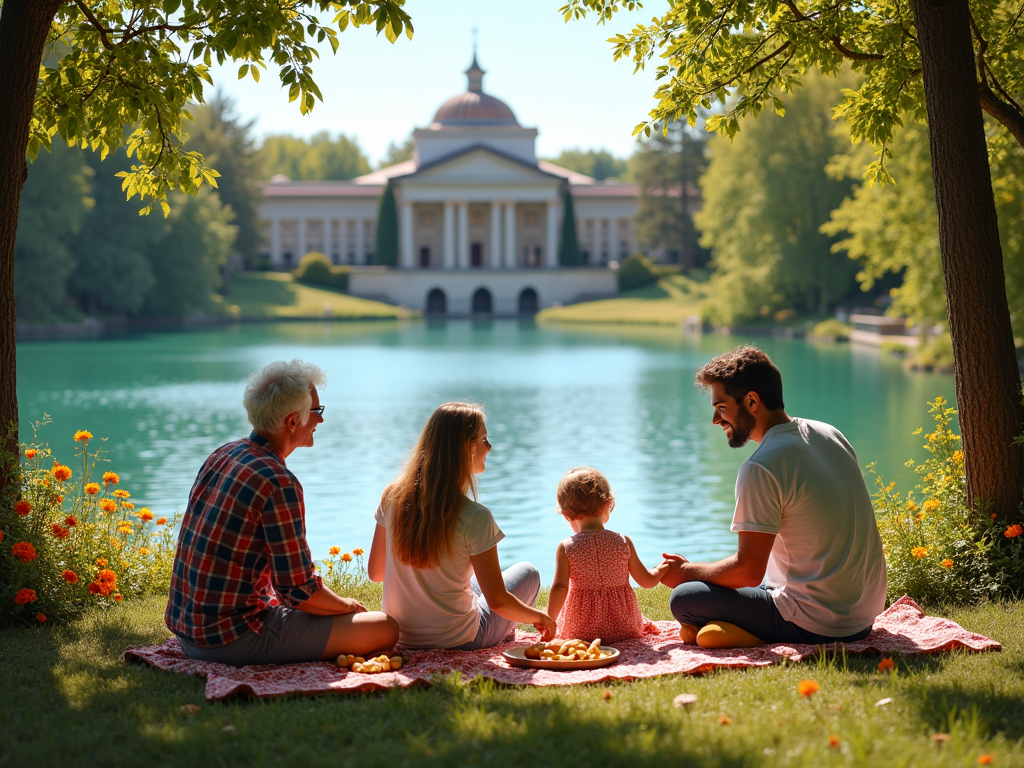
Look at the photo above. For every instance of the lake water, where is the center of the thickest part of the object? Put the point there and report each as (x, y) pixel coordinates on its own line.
(621, 400)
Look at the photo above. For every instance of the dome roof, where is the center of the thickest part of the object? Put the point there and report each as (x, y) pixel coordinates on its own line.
(474, 107)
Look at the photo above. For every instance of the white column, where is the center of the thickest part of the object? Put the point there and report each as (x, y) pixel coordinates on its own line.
(510, 235)
(448, 245)
(551, 246)
(360, 252)
(463, 243)
(405, 254)
(613, 238)
(494, 257)
(302, 241)
(275, 242)
(328, 250)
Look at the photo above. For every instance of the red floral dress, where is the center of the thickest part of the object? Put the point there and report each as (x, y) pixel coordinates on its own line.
(601, 602)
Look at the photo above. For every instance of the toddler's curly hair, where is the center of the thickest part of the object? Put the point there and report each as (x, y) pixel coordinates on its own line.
(583, 492)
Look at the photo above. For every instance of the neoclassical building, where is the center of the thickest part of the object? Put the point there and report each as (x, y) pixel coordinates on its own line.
(480, 219)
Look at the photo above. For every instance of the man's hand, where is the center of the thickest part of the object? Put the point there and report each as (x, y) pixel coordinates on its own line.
(675, 570)
(353, 606)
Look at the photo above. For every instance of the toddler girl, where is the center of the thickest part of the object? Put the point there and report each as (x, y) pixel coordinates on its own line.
(591, 596)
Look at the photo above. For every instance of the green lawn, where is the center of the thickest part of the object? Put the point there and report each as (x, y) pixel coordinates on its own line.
(68, 699)
(277, 295)
(669, 302)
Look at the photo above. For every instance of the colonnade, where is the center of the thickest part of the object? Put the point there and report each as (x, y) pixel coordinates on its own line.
(346, 246)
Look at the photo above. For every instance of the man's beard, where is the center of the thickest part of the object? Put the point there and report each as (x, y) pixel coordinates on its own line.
(745, 422)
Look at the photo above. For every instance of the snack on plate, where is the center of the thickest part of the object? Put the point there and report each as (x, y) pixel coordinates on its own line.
(379, 664)
(566, 650)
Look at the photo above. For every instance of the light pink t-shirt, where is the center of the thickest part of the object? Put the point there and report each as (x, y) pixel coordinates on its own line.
(437, 607)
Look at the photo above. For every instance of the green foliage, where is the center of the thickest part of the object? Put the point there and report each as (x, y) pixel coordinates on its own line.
(316, 269)
(569, 254)
(142, 63)
(314, 159)
(636, 272)
(831, 329)
(74, 540)
(345, 574)
(936, 549)
(397, 153)
(597, 163)
(937, 353)
(385, 249)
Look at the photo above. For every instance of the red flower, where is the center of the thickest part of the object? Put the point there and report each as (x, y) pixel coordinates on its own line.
(70, 577)
(1013, 531)
(60, 531)
(161, 521)
(24, 551)
(61, 472)
(70, 521)
(22, 507)
(25, 596)
(118, 598)
(94, 588)
(31, 453)
(40, 617)
(1, 535)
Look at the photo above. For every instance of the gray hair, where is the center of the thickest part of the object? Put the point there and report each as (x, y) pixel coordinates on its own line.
(278, 389)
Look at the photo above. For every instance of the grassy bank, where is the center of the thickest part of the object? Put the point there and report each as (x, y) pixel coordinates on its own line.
(269, 295)
(67, 698)
(668, 302)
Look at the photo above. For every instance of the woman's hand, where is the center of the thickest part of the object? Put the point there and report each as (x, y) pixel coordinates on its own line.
(547, 627)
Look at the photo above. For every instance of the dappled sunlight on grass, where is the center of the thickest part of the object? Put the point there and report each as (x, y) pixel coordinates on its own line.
(276, 294)
(669, 302)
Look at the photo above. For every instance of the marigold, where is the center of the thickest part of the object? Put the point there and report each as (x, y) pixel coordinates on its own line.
(985, 760)
(724, 720)
(125, 529)
(61, 472)
(111, 478)
(117, 598)
(357, 551)
(886, 665)
(957, 456)
(121, 493)
(161, 521)
(947, 563)
(24, 551)
(31, 453)
(931, 505)
(70, 521)
(94, 588)
(40, 617)
(59, 499)
(127, 505)
(833, 742)
(22, 507)
(919, 552)
(145, 515)
(92, 488)
(1013, 531)
(70, 577)
(346, 558)
(911, 506)
(25, 596)
(807, 687)
(108, 505)
(334, 551)
(60, 531)
(106, 576)
(143, 551)
(83, 436)
(919, 516)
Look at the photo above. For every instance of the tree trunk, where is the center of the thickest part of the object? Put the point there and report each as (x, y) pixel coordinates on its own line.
(24, 25)
(988, 387)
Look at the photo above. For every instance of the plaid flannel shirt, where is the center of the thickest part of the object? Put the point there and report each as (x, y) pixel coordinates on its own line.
(242, 546)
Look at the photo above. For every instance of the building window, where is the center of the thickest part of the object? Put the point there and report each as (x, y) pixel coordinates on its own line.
(537, 253)
(426, 219)
(482, 303)
(425, 256)
(437, 302)
(531, 218)
(336, 257)
(528, 302)
(476, 254)
(287, 258)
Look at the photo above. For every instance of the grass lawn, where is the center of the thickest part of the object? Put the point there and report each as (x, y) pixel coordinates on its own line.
(67, 698)
(277, 295)
(668, 302)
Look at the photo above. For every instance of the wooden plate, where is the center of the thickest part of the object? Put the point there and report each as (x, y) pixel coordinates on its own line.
(516, 658)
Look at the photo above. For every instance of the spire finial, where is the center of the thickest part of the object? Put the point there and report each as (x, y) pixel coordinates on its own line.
(475, 73)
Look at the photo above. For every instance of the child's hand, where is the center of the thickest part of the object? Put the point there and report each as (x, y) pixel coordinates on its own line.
(659, 571)
(546, 627)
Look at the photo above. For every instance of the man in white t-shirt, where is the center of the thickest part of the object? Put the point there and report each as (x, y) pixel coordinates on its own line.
(809, 566)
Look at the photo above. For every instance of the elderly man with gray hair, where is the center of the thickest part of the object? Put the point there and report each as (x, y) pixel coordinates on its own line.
(244, 589)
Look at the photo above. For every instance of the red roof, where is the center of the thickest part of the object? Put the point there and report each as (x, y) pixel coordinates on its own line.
(605, 190)
(322, 189)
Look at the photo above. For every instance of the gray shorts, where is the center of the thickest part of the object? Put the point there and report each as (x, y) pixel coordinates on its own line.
(289, 636)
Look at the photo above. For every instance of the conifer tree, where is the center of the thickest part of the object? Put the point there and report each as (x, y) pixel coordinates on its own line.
(385, 250)
(569, 254)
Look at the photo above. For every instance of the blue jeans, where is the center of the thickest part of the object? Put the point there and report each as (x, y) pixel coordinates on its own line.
(523, 581)
(751, 608)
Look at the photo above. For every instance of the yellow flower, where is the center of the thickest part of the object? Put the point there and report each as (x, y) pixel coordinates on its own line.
(931, 505)
(143, 551)
(947, 563)
(145, 515)
(919, 552)
(83, 436)
(334, 551)
(957, 456)
(127, 505)
(912, 506)
(121, 493)
(92, 488)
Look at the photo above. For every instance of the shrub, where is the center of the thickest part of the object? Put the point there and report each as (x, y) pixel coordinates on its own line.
(936, 550)
(637, 271)
(316, 269)
(937, 353)
(73, 539)
(831, 329)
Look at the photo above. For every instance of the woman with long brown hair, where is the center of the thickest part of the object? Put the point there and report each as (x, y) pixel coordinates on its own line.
(431, 538)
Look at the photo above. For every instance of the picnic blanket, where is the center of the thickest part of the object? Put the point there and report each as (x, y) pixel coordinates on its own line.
(902, 629)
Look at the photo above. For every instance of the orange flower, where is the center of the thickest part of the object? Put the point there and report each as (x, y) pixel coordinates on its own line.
(161, 521)
(70, 577)
(92, 488)
(125, 529)
(24, 551)
(993, 515)
(1013, 531)
(143, 551)
(931, 505)
(70, 521)
(919, 516)
(94, 588)
(127, 505)
(83, 436)
(947, 563)
(346, 558)
(59, 499)
(25, 596)
(40, 617)
(106, 576)
(111, 478)
(724, 720)
(117, 598)
(334, 551)
(886, 665)
(919, 552)
(60, 531)
(108, 505)
(61, 472)
(807, 687)
(121, 493)
(22, 507)
(911, 506)
(985, 760)
(145, 515)
(833, 742)
(31, 453)
(357, 551)
(104, 583)
(101, 562)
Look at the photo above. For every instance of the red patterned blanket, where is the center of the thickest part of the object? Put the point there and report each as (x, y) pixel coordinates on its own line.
(902, 629)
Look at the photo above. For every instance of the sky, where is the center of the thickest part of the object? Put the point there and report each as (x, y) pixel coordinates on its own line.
(557, 77)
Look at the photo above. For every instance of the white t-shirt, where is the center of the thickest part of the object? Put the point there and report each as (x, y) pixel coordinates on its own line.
(826, 569)
(437, 607)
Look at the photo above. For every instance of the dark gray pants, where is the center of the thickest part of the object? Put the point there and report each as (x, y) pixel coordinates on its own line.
(750, 608)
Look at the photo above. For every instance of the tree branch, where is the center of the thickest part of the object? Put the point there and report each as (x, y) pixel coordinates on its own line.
(96, 23)
(748, 70)
(836, 42)
(1008, 114)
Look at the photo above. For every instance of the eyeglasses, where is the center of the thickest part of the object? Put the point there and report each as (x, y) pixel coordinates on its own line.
(319, 410)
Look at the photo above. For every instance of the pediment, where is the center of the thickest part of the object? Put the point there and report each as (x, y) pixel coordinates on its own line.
(479, 165)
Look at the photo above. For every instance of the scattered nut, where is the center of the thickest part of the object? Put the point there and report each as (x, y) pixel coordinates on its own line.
(684, 700)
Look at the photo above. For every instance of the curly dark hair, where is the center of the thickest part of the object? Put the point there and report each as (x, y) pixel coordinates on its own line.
(743, 370)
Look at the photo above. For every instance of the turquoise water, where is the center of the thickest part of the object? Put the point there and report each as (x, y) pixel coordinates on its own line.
(623, 401)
